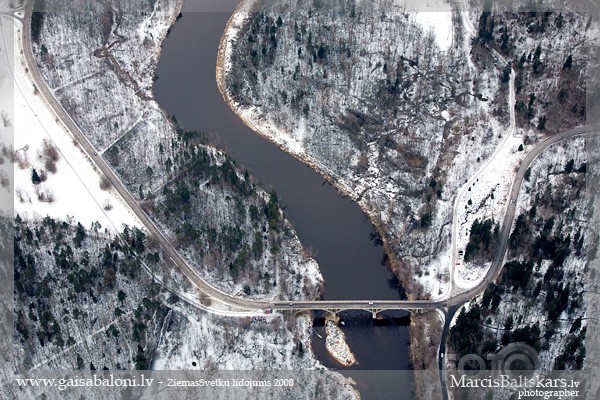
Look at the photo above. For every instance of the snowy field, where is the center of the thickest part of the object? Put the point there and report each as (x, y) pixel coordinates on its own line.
(436, 16)
(73, 191)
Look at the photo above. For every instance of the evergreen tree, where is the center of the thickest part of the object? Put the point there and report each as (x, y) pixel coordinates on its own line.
(568, 63)
(35, 178)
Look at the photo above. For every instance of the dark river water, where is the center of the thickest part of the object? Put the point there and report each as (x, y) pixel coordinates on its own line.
(335, 228)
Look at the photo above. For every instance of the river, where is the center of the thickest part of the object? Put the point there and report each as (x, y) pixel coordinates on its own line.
(334, 227)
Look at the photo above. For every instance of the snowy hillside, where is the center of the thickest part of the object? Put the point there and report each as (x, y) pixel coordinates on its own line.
(374, 114)
(538, 298)
(226, 226)
(234, 232)
(83, 302)
(363, 92)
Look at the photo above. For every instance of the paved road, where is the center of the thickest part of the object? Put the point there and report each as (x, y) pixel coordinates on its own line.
(455, 302)
(244, 304)
(497, 262)
(374, 305)
(510, 211)
(250, 305)
(118, 185)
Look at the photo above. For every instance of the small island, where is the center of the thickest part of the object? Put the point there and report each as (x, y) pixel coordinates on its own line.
(336, 345)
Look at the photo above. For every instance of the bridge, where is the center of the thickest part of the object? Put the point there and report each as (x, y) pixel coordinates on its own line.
(374, 307)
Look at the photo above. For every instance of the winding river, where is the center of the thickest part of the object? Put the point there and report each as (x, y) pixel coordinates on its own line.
(334, 227)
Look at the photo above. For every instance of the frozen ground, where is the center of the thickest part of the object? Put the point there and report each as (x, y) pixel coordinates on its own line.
(436, 16)
(75, 186)
(488, 197)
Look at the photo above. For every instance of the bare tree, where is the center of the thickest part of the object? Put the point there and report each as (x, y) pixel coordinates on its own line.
(107, 205)
(104, 183)
(45, 195)
(5, 119)
(4, 181)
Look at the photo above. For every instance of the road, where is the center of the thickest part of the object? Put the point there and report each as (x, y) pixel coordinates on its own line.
(455, 302)
(253, 305)
(368, 305)
(497, 262)
(458, 203)
(511, 209)
(239, 304)
(119, 187)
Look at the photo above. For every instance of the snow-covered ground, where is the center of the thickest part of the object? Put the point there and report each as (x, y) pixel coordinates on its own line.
(366, 114)
(436, 16)
(356, 104)
(336, 345)
(132, 319)
(74, 189)
(549, 187)
(489, 197)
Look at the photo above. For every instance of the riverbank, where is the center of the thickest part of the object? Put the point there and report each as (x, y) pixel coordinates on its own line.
(235, 25)
(143, 135)
(425, 330)
(425, 338)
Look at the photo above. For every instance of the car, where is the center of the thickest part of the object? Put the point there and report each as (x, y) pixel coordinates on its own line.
(291, 304)
(512, 201)
(95, 153)
(370, 303)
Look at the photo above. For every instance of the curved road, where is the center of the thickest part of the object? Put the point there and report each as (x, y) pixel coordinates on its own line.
(253, 305)
(471, 181)
(455, 302)
(497, 262)
(118, 185)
